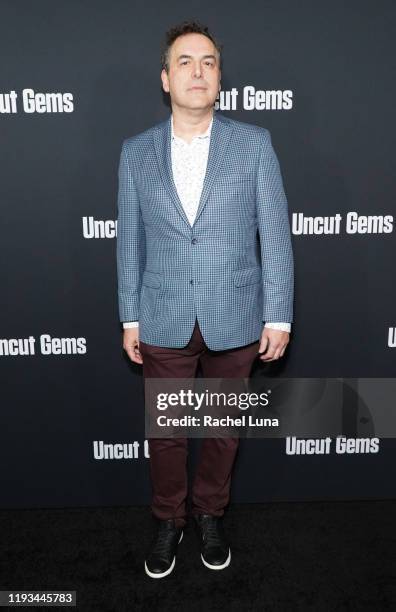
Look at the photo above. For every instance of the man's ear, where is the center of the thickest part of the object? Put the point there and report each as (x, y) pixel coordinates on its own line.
(165, 81)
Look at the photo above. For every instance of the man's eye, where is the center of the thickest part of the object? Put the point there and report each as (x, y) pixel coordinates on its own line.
(209, 63)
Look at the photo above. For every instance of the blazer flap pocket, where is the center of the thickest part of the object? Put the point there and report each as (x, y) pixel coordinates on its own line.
(152, 279)
(247, 276)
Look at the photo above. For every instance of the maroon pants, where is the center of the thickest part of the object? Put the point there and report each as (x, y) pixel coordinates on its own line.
(168, 456)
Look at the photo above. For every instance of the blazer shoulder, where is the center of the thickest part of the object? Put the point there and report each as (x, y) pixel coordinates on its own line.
(142, 138)
(243, 126)
(252, 133)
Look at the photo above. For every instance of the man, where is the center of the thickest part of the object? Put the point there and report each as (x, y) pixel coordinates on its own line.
(205, 273)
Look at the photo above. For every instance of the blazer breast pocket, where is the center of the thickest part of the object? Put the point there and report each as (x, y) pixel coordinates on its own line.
(237, 177)
(236, 187)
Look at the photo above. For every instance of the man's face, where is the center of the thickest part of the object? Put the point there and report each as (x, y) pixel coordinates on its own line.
(193, 81)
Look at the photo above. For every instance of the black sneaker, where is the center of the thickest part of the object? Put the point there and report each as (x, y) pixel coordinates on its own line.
(162, 557)
(215, 552)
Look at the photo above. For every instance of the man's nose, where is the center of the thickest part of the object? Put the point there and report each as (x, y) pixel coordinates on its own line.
(197, 69)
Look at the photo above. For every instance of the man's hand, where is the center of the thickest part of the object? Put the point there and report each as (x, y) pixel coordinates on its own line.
(131, 344)
(273, 343)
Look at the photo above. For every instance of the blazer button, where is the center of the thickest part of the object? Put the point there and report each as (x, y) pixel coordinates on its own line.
(194, 241)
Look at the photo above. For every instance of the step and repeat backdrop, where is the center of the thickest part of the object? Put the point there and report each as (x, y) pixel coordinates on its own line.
(79, 78)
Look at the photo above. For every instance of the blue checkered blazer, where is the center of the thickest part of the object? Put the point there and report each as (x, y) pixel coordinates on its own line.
(232, 269)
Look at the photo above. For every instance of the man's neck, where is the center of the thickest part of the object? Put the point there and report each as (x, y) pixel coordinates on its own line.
(188, 126)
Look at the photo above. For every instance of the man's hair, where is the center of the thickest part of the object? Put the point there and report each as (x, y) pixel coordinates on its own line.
(186, 27)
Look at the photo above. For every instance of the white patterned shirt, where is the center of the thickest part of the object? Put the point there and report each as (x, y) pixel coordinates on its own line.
(189, 161)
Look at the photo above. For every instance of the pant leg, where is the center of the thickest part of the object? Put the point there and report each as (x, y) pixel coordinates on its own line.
(212, 482)
(168, 456)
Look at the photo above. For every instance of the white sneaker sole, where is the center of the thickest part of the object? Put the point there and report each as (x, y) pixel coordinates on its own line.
(218, 567)
(166, 572)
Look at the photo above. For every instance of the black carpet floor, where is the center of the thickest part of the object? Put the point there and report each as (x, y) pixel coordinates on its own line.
(285, 556)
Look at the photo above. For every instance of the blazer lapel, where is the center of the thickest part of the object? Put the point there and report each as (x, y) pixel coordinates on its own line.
(219, 137)
(162, 144)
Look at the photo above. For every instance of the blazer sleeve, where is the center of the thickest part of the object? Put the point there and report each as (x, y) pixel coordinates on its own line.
(275, 241)
(131, 244)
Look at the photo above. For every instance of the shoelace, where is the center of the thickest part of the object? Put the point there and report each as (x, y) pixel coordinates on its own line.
(210, 532)
(164, 540)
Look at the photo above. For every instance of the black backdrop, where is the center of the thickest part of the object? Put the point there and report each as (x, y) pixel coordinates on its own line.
(332, 126)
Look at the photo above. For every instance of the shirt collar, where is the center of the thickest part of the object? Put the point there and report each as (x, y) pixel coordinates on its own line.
(204, 135)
